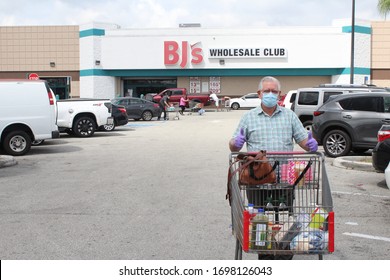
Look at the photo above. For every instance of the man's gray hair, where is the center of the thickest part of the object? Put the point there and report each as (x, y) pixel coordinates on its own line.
(269, 79)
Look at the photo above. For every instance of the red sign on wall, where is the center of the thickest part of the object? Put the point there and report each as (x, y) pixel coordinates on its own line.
(174, 55)
(33, 76)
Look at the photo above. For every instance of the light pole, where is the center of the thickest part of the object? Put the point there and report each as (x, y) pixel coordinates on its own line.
(352, 43)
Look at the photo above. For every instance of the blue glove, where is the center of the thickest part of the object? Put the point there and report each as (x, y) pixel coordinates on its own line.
(311, 143)
(240, 139)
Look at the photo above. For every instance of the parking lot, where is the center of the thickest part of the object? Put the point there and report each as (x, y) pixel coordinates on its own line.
(156, 190)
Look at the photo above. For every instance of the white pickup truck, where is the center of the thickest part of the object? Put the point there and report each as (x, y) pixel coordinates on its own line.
(83, 116)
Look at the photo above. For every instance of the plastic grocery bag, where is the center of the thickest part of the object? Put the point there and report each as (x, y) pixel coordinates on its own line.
(312, 241)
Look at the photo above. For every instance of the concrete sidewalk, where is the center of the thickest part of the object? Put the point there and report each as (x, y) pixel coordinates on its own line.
(363, 163)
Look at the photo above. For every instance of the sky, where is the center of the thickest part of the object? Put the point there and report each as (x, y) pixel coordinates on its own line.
(170, 13)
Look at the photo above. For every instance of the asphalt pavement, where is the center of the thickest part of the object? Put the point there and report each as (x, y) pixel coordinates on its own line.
(156, 190)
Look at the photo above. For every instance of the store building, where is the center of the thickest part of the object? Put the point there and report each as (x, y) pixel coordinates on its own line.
(51, 52)
(104, 60)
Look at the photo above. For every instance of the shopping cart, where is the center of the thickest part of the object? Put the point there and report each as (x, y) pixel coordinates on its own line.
(292, 216)
(174, 109)
(226, 102)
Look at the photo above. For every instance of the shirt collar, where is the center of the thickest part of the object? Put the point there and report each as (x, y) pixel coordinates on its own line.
(260, 110)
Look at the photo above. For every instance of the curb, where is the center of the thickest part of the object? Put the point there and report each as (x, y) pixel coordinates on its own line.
(363, 163)
(6, 161)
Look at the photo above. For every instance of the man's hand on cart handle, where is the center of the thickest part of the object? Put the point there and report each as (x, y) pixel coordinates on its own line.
(311, 143)
(240, 139)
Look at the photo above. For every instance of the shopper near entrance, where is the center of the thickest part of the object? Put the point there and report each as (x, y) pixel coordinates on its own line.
(270, 127)
(182, 103)
(214, 97)
(164, 103)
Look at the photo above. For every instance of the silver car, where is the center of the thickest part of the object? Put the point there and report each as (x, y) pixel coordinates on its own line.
(350, 122)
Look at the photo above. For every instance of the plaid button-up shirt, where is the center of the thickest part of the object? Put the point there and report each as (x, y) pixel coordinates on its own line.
(271, 133)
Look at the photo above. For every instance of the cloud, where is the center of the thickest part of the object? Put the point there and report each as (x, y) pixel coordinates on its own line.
(169, 13)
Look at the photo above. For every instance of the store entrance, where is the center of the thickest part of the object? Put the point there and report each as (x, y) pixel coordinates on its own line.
(136, 87)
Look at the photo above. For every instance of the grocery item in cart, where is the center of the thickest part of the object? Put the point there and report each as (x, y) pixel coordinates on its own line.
(290, 229)
(318, 218)
(312, 240)
(290, 172)
(258, 231)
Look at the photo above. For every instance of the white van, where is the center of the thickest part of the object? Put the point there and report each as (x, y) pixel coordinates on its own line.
(27, 114)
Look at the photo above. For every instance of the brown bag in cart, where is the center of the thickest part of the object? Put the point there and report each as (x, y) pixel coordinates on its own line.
(253, 170)
(256, 170)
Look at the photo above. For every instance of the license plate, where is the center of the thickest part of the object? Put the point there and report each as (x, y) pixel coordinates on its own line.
(110, 120)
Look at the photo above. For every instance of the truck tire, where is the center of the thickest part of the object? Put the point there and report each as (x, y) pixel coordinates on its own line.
(84, 127)
(17, 143)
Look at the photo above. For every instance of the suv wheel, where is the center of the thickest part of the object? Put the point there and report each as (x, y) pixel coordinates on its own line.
(337, 143)
(235, 106)
(17, 143)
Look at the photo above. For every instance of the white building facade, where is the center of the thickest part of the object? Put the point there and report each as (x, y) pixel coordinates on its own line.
(227, 61)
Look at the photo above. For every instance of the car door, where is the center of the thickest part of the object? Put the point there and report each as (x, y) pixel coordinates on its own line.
(135, 108)
(252, 100)
(365, 116)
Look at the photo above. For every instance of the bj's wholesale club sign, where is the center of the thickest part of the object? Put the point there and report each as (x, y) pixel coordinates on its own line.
(183, 53)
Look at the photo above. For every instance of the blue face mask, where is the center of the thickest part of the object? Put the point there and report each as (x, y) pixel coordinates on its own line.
(269, 99)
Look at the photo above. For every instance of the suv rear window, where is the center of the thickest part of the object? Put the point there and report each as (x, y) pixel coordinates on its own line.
(308, 98)
(370, 104)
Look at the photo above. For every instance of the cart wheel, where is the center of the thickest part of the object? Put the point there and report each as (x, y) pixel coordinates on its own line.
(238, 253)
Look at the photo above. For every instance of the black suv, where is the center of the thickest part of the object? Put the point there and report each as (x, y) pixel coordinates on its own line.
(350, 122)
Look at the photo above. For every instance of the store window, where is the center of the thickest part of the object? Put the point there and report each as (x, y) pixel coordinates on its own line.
(136, 87)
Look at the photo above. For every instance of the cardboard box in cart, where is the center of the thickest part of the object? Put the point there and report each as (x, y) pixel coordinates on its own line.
(27, 114)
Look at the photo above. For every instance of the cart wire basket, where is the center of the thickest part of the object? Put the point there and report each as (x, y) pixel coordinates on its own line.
(293, 215)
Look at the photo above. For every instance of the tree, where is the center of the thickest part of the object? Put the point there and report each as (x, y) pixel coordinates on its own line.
(384, 7)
